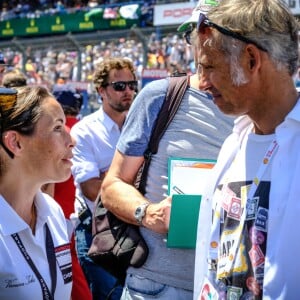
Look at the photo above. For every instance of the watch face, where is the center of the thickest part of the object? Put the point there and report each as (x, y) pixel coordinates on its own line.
(140, 212)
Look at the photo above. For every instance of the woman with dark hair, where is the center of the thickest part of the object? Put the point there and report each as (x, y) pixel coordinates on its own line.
(35, 148)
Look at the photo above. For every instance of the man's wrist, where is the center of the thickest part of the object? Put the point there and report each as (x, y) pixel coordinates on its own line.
(140, 212)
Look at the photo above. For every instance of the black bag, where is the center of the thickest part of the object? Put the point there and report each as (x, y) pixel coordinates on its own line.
(117, 245)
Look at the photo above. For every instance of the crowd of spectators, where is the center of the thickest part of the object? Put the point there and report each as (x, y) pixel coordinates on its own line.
(10, 9)
(34, 8)
(47, 66)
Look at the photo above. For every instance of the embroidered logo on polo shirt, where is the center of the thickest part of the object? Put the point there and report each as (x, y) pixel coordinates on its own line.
(18, 282)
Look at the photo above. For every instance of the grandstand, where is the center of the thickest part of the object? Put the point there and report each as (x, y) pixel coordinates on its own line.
(49, 39)
(70, 52)
(21, 49)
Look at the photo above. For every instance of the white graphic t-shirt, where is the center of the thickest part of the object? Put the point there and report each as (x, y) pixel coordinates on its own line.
(238, 247)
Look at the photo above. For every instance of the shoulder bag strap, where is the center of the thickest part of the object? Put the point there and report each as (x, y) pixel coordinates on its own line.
(176, 90)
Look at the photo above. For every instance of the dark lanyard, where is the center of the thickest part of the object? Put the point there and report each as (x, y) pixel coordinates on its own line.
(51, 260)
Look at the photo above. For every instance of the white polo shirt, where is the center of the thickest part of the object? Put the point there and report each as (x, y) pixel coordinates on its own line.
(96, 136)
(17, 279)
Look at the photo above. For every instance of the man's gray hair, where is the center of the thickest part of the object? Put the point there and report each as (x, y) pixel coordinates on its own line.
(269, 23)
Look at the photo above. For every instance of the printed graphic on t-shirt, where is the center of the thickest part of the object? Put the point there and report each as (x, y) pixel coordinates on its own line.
(245, 278)
(63, 258)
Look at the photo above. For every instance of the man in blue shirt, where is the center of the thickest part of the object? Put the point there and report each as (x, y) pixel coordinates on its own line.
(197, 131)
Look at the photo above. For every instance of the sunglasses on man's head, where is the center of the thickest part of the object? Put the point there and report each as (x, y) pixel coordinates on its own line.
(120, 86)
(187, 35)
(204, 22)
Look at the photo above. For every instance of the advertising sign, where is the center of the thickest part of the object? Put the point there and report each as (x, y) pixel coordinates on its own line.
(96, 19)
(172, 14)
(177, 13)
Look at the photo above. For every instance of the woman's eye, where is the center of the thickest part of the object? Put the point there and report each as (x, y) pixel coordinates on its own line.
(58, 128)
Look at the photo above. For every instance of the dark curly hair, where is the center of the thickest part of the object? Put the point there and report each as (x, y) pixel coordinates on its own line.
(101, 74)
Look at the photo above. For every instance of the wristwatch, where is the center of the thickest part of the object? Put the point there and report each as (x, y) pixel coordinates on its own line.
(140, 212)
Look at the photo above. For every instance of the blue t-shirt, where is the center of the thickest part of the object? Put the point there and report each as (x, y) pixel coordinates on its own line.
(197, 131)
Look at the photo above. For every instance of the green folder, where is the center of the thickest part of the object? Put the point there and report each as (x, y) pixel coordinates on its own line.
(183, 221)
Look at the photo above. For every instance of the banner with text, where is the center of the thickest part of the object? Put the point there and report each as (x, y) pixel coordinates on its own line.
(177, 13)
(96, 19)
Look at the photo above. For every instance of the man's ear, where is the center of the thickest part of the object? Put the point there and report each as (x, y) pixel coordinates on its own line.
(252, 63)
(101, 91)
(11, 140)
(253, 58)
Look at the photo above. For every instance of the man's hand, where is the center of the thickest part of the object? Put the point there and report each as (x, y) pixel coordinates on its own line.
(157, 216)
